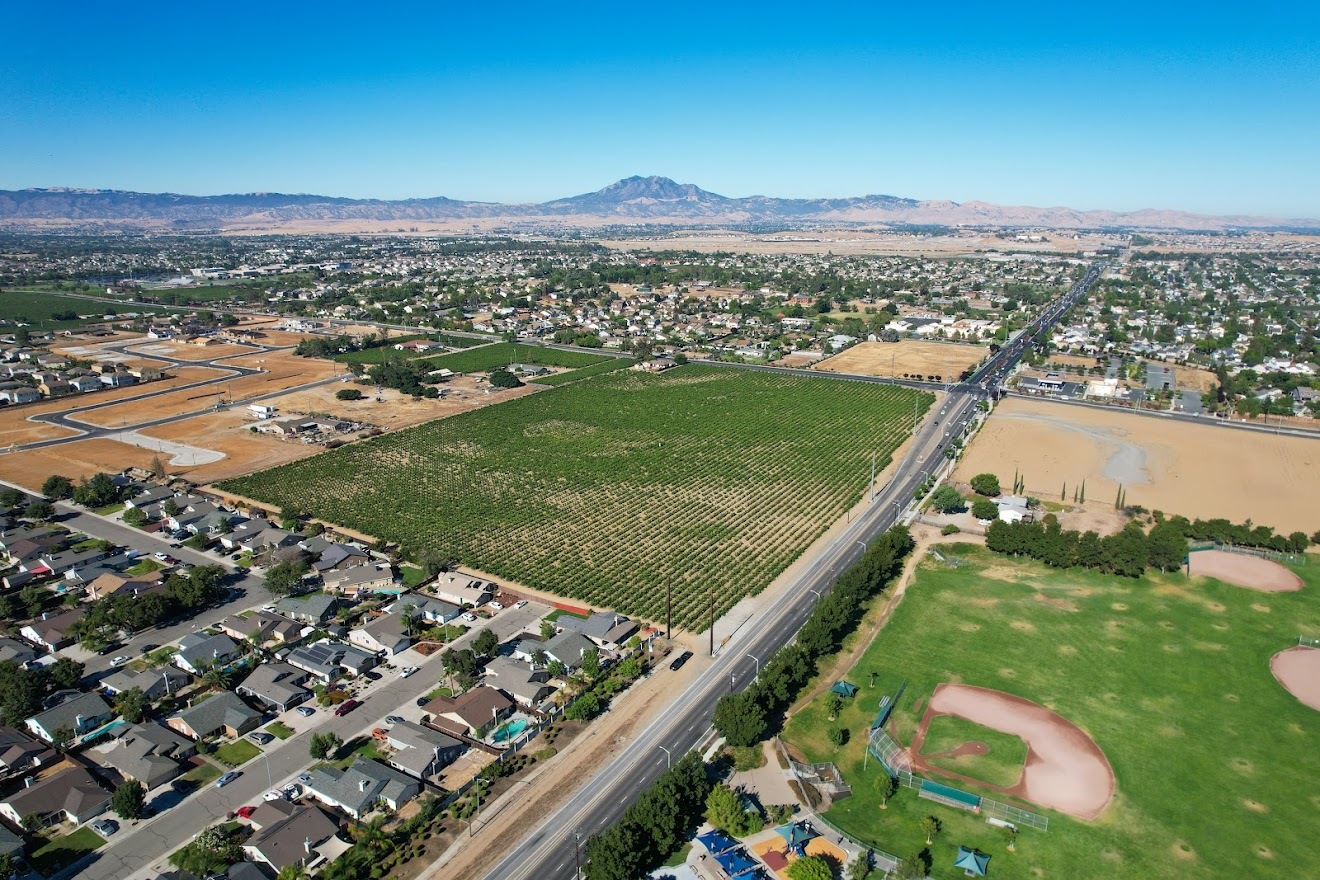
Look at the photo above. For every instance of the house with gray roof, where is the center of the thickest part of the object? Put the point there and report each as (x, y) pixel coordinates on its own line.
(261, 627)
(328, 659)
(568, 647)
(358, 580)
(221, 713)
(292, 840)
(606, 628)
(277, 685)
(428, 609)
(420, 751)
(155, 683)
(530, 687)
(337, 557)
(18, 652)
(312, 608)
(20, 752)
(362, 787)
(81, 713)
(149, 753)
(200, 651)
(69, 796)
(52, 631)
(386, 633)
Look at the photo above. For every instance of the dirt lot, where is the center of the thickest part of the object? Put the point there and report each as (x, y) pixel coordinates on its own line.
(1065, 770)
(186, 352)
(1197, 470)
(394, 409)
(910, 356)
(82, 458)
(229, 432)
(1196, 380)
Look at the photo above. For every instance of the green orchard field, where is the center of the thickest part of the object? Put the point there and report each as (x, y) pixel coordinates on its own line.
(38, 309)
(611, 488)
(1217, 766)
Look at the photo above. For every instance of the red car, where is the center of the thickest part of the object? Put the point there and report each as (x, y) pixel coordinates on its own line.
(245, 812)
(347, 706)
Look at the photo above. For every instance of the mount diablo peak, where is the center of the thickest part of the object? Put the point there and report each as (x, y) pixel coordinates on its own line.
(642, 196)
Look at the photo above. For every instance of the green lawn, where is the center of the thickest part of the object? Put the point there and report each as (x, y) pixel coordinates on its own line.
(561, 612)
(362, 747)
(412, 576)
(612, 489)
(203, 774)
(1213, 760)
(1000, 765)
(110, 508)
(679, 857)
(279, 729)
(240, 751)
(144, 566)
(63, 851)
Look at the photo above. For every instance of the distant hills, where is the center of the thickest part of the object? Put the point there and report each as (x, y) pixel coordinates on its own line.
(633, 200)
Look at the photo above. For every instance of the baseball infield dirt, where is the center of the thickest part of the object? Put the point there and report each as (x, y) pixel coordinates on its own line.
(1065, 769)
(1242, 570)
(1298, 670)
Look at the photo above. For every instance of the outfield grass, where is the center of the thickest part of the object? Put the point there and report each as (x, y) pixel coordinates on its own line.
(1002, 763)
(612, 489)
(238, 752)
(1215, 762)
(63, 851)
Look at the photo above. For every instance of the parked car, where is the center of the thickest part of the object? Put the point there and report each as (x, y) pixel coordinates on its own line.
(260, 738)
(371, 676)
(408, 670)
(148, 648)
(520, 603)
(496, 605)
(292, 791)
(245, 812)
(305, 711)
(269, 609)
(160, 556)
(119, 661)
(381, 733)
(305, 778)
(228, 778)
(110, 648)
(680, 660)
(273, 795)
(423, 700)
(469, 617)
(345, 707)
(393, 719)
(105, 827)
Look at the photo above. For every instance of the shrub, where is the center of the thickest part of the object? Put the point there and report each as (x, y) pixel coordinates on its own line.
(348, 394)
(985, 484)
(950, 529)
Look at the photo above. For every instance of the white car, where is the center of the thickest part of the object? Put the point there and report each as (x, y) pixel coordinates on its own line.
(119, 661)
(520, 603)
(408, 670)
(497, 606)
(273, 795)
(469, 617)
(160, 556)
(269, 609)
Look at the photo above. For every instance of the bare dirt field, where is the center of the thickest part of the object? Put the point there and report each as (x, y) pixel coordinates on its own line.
(1251, 572)
(81, 458)
(1065, 769)
(1197, 470)
(1196, 380)
(230, 433)
(908, 357)
(391, 409)
(185, 352)
(1298, 670)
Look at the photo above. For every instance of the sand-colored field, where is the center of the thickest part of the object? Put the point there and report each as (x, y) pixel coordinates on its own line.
(1244, 570)
(907, 357)
(1065, 769)
(1194, 379)
(391, 409)
(81, 458)
(1195, 469)
(230, 433)
(1298, 670)
(16, 432)
(185, 352)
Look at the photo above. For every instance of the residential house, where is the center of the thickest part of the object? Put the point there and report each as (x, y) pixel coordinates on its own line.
(1014, 508)
(362, 787)
(359, 580)
(80, 713)
(313, 608)
(420, 751)
(276, 685)
(221, 713)
(118, 379)
(16, 393)
(83, 384)
(606, 628)
(16, 651)
(63, 561)
(461, 589)
(329, 659)
(149, 753)
(529, 686)
(338, 557)
(261, 627)
(201, 650)
(111, 583)
(472, 713)
(427, 609)
(568, 647)
(386, 633)
(19, 752)
(292, 839)
(68, 796)
(154, 683)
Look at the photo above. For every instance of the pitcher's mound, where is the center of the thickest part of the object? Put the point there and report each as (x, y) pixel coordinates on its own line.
(1298, 670)
(1251, 572)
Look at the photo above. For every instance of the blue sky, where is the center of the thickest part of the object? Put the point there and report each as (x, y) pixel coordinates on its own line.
(1103, 106)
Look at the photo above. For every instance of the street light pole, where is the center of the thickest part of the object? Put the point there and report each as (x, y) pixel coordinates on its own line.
(758, 667)
(577, 857)
(668, 757)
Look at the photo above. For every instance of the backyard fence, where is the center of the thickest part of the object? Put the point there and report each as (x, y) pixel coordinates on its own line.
(1274, 555)
(1307, 642)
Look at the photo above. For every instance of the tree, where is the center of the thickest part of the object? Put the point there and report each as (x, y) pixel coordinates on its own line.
(740, 719)
(286, 578)
(62, 736)
(930, 826)
(886, 787)
(210, 852)
(57, 487)
(135, 517)
(129, 800)
(10, 497)
(911, 868)
(838, 736)
(8, 867)
(486, 643)
(504, 379)
(584, 708)
(985, 484)
(295, 871)
(724, 810)
(324, 745)
(99, 491)
(157, 467)
(860, 868)
(348, 394)
(1011, 832)
(947, 499)
(33, 598)
(811, 868)
(591, 663)
(984, 508)
(39, 510)
(547, 630)
(834, 705)
(65, 673)
(216, 678)
(131, 705)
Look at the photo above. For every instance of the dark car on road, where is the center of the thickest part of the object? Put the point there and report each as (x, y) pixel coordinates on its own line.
(347, 706)
(680, 660)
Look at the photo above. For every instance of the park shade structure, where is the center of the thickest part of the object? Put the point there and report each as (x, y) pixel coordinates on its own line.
(972, 862)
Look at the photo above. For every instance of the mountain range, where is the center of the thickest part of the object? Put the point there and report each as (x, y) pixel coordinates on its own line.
(633, 200)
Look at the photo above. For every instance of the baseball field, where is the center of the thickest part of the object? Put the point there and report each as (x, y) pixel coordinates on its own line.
(1142, 718)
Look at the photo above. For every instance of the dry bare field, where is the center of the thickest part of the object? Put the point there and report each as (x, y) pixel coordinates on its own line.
(391, 409)
(910, 356)
(184, 352)
(82, 458)
(230, 432)
(1194, 469)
